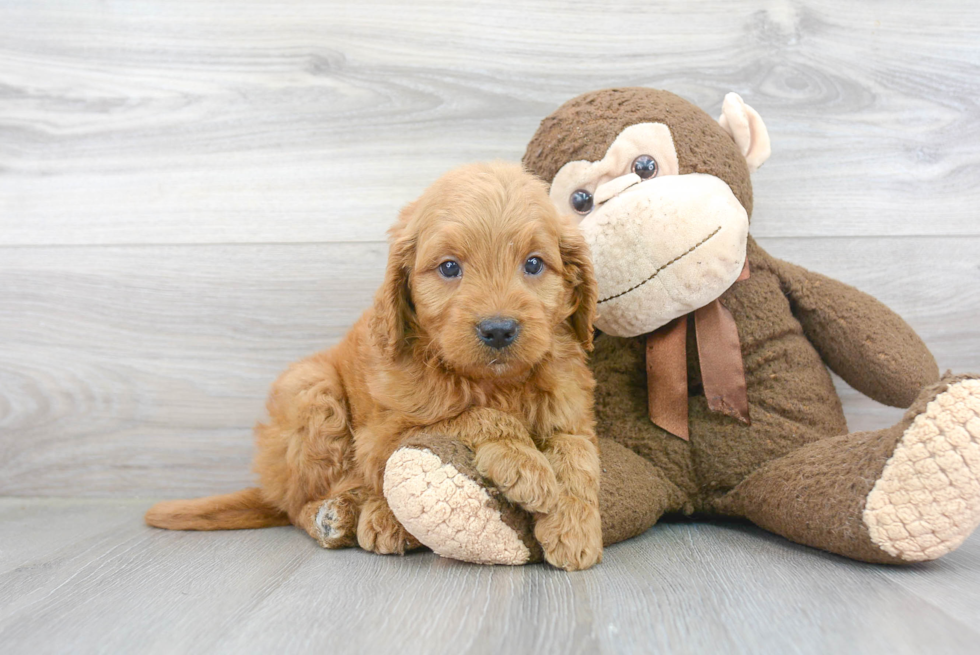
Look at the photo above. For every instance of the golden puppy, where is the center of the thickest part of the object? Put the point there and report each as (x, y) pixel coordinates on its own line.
(479, 332)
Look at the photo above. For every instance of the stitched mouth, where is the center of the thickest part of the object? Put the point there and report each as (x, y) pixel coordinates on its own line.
(659, 270)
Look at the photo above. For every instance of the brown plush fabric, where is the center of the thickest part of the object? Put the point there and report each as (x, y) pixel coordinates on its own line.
(791, 396)
(584, 127)
(798, 426)
(633, 493)
(863, 341)
(816, 495)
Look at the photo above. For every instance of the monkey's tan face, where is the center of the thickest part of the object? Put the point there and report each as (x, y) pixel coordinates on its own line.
(663, 244)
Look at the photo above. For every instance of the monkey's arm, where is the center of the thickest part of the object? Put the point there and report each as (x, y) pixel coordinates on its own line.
(858, 337)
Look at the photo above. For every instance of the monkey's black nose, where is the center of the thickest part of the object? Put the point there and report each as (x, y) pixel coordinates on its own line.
(498, 332)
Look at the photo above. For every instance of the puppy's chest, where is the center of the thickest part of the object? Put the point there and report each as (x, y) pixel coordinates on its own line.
(539, 411)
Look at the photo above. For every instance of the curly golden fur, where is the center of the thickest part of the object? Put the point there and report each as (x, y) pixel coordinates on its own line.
(415, 363)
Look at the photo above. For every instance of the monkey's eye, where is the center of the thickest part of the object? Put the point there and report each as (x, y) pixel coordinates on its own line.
(581, 201)
(645, 166)
(533, 266)
(450, 269)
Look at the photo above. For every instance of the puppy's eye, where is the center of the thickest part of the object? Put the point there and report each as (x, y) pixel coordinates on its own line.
(581, 201)
(450, 268)
(533, 266)
(645, 166)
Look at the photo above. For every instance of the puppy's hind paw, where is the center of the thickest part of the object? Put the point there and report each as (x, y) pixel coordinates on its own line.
(522, 473)
(335, 523)
(378, 531)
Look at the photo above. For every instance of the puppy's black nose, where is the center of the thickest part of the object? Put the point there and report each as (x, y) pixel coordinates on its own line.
(498, 332)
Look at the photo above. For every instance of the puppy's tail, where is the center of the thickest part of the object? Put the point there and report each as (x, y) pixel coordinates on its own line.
(238, 511)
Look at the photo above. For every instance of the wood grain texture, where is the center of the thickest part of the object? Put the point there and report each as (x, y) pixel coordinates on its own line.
(207, 122)
(118, 586)
(193, 193)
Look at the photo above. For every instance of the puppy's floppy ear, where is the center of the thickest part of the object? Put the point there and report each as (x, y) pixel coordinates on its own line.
(580, 277)
(394, 314)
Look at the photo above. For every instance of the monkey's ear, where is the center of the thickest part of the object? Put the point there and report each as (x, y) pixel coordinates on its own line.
(394, 315)
(746, 127)
(580, 277)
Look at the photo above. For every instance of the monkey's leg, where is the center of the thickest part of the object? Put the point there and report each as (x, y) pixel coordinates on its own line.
(434, 489)
(904, 494)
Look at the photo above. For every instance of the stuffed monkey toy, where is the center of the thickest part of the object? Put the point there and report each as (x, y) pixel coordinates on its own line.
(711, 361)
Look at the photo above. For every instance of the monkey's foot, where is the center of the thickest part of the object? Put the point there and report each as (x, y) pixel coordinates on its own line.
(435, 491)
(927, 500)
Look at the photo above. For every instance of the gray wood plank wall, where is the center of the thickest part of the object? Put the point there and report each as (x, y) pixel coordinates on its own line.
(193, 194)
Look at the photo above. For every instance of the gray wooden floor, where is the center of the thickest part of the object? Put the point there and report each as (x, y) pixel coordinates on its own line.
(194, 193)
(86, 576)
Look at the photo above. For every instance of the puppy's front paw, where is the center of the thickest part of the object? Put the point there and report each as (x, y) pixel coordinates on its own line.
(520, 472)
(378, 531)
(571, 535)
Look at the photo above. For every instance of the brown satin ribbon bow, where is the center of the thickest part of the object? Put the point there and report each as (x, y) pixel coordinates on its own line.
(720, 357)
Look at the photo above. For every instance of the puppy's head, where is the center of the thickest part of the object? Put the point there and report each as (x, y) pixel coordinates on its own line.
(484, 274)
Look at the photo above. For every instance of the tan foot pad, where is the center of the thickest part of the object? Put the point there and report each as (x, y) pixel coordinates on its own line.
(448, 511)
(927, 500)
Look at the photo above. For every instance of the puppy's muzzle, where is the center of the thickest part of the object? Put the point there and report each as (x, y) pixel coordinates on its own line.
(498, 332)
